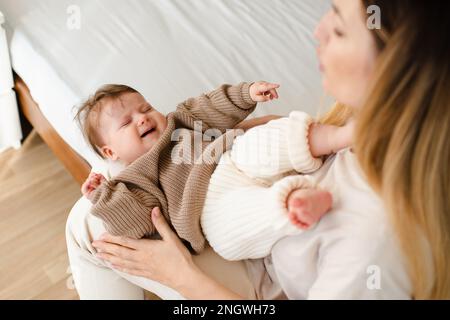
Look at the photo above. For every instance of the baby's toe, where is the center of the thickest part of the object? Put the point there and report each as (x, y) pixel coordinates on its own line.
(300, 218)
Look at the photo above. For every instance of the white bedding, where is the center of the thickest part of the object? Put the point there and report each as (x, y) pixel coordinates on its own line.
(168, 50)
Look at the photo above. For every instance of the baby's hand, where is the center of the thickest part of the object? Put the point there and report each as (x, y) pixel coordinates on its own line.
(92, 182)
(263, 91)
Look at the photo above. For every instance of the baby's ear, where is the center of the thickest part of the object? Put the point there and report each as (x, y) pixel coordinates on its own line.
(109, 153)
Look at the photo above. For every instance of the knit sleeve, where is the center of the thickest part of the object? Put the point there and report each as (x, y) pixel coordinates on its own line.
(222, 108)
(124, 210)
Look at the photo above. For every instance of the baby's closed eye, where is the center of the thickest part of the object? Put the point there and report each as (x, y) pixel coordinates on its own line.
(147, 108)
(125, 123)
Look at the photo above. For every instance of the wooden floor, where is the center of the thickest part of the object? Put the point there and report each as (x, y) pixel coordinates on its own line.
(36, 195)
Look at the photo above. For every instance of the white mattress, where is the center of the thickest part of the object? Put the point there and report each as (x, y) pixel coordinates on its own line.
(168, 50)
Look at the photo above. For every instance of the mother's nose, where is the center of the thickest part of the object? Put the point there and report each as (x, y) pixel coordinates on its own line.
(321, 33)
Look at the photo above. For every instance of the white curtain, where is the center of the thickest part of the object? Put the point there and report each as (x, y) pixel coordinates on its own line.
(10, 131)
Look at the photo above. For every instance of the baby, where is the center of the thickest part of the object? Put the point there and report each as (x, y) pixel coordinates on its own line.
(242, 192)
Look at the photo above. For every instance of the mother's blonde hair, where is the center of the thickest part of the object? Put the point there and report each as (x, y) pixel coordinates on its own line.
(402, 135)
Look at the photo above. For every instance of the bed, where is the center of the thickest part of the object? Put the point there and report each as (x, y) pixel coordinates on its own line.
(62, 50)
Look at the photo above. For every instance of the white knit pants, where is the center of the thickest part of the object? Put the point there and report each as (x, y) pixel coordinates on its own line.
(245, 210)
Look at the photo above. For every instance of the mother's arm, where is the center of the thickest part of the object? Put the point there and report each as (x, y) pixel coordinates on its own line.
(250, 123)
(166, 261)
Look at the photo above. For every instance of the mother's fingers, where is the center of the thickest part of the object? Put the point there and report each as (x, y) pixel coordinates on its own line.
(115, 250)
(118, 262)
(131, 271)
(122, 241)
(161, 224)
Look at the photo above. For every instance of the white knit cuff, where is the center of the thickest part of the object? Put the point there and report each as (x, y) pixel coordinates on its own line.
(282, 190)
(298, 143)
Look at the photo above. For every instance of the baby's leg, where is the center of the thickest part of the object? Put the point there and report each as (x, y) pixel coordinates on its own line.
(307, 206)
(278, 147)
(243, 219)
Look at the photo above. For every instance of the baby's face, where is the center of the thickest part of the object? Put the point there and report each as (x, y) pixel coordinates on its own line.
(129, 127)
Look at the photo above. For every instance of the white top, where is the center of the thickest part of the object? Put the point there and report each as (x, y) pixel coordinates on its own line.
(352, 253)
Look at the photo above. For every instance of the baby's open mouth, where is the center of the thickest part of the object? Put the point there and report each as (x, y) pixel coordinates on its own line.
(146, 133)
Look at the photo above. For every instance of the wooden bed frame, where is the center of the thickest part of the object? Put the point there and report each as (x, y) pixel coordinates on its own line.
(73, 162)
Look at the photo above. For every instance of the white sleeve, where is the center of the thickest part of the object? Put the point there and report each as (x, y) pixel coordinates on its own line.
(358, 269)
(276, 148)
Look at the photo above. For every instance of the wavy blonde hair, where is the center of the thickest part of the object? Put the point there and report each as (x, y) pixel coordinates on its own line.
(402, 135)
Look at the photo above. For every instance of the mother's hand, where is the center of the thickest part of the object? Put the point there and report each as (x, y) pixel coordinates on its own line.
(166, 261)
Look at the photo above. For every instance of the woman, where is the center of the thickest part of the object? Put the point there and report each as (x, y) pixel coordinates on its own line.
(388, 235)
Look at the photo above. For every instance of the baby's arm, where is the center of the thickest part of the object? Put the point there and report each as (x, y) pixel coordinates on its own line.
(93, 181)
(108, 198)
(251, 123)
(122, 205)
(326, 139)
(228, 105)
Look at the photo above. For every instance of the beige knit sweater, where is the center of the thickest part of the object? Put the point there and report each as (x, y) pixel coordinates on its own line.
(177, 187)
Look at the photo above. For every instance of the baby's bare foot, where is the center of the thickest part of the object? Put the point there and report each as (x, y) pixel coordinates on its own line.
(307, 206)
